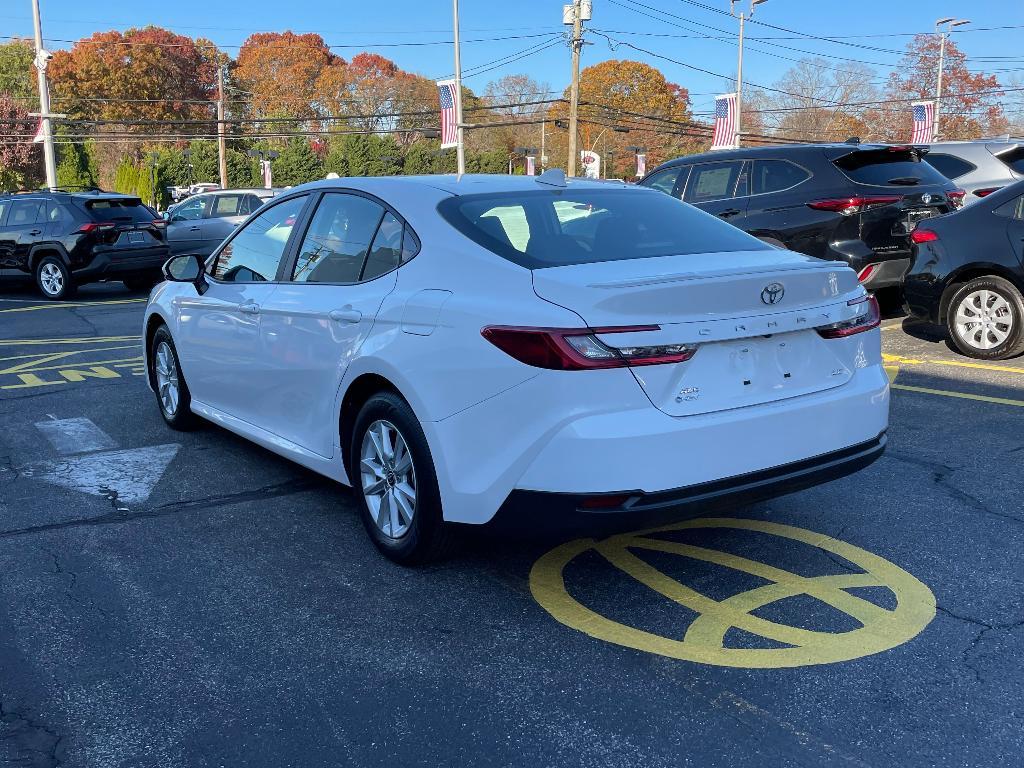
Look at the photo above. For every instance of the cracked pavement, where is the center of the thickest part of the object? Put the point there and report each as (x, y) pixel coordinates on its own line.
(238, 616)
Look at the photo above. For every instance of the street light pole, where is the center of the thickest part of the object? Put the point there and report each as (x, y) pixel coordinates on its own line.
(460, 150)
(737, 135)
(949, 23)
(42, 58)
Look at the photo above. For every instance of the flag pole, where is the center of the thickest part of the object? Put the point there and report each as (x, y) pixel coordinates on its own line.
(460, 148)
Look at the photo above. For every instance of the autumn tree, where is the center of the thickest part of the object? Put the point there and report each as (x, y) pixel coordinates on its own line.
(281, 72)
(140, 74)
(970, 100)
(20, 160)
(515, 98)
(17, 73)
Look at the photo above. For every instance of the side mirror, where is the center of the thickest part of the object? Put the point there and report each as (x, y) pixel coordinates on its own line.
(166, 216)
(187, 268)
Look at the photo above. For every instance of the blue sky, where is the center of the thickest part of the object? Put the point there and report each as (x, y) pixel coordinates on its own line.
(378, 26)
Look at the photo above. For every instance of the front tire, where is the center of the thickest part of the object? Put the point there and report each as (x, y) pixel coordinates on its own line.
(53, 279)
(172, 395)
(395, 484)
(985, 319)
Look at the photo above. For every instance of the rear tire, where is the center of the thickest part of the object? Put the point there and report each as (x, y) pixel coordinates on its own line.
(395, 485)
(172, 395)
(985, 319)
(53, 278)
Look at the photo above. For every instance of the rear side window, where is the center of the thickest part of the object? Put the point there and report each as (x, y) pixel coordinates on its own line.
(250, 204)
(225, 205)
(126, 210)
(386, 251)
(713, 181)
(1014, 159)
(4, 205)
(542, 228)
(775, 176)
(664, 181)
(338, 239)
(948, 165)
(25, 212)
(1014, 209)
(890, 167)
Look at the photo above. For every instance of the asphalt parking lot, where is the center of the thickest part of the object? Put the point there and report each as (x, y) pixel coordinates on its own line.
(173, 599)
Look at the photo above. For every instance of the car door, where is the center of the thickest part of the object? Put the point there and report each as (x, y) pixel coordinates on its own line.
(719, 188)
(218, 332)
(25, 224)
(184, 228)
(1013, 213)
(316, 321)
(8, 241)
(777, 206)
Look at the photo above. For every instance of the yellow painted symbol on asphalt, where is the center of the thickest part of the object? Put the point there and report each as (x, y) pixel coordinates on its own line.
(704, 640)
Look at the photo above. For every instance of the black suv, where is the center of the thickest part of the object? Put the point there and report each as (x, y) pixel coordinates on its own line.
(855, 203)
(64, 239)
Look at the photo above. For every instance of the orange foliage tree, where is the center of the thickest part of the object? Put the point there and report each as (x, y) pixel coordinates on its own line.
(281, 72)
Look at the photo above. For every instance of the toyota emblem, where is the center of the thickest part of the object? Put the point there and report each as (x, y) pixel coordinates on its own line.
(773, 293)
(926, 198)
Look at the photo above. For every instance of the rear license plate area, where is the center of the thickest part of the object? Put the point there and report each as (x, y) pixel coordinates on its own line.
(136, 238)
(912, 218)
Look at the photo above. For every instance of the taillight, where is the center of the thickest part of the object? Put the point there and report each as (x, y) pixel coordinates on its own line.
(923, 236)
(158, 223)
(865, 274)
(851, 205)
(986, 192)
(96, 226)
(956, 197)
(580, 349)
(870, 317)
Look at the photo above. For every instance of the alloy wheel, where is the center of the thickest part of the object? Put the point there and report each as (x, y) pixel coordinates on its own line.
(388, 478)
(51, 278)
(167, 378)
(984, 319)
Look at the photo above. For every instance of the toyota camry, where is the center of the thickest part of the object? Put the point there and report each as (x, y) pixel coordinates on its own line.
(460, 349)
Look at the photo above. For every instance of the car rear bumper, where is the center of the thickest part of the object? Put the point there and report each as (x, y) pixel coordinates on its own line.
(117, 264)
(533, 510)
(885, 274)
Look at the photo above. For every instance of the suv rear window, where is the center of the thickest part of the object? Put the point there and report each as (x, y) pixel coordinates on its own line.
(1014, 159)
(888, 167)
(124, 209)
(541, 228)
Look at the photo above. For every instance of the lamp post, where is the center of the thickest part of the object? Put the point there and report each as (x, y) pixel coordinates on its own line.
(739, 66)
(949, 23)
(265, 157)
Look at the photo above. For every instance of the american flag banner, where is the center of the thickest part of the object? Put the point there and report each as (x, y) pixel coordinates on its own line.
(924, 122)
(725, 122)
(531, 165)
(641, 164)
(40, 134)
(449, 122)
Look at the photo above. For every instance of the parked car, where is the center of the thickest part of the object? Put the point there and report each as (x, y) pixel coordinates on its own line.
(500, 346)
(199, 223)
(64, 239)
(854, 203)
(967, 273)
(980, 167)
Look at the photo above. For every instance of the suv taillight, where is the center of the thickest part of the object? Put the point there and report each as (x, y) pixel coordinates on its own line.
(96, 226)
(851, 205)
(579, 349)
(956, 197)
(158, 223)
(986, 191)
(923, 236)
(870, 317)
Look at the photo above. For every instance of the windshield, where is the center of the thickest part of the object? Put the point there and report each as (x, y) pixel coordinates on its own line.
(890, 167)
(554, 228)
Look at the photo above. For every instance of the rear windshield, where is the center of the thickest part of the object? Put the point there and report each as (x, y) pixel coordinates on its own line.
(127, 209)
(1014, 159)
(889, 168)
(555, 228)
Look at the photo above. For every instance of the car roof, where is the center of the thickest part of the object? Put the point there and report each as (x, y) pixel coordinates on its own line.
(775, 150)
(466, 184)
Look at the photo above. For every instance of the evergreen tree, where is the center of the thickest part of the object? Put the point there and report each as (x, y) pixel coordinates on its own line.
(73, 171)
(296, 164)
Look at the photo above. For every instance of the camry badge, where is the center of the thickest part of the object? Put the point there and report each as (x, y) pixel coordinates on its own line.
(773, 293)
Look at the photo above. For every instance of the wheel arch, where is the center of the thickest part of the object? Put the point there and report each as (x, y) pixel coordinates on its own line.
(970, 272)
(362, 388)
(153, 322)
(39, 250)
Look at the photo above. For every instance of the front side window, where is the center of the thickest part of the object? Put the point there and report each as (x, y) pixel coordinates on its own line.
(664, 181)
(542, 228)
(190, 210)
(256, 250)
(713, 181)
(338, 239)
(25, 212)
(775, 176)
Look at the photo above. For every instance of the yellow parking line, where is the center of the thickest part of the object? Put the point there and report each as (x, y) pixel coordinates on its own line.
(898, 360)
(29, 368)
(68, 352)
(962, 395)
(59, 342)
(67, 304)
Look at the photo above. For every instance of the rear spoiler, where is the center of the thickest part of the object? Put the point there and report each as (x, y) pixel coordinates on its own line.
(839, 152)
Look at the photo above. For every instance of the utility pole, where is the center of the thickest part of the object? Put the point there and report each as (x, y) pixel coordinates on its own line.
(222, 148)
(42, 59)
(460, 149)
(949, 23)
(739, 68)
(576, 44)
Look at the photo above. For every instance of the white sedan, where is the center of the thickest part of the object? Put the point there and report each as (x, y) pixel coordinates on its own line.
(460, 349)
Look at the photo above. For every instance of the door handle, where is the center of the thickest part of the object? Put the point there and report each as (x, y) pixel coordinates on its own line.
(249, 309)
(730, 212)
(345, 315)
(193, 229)
(35, 232)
